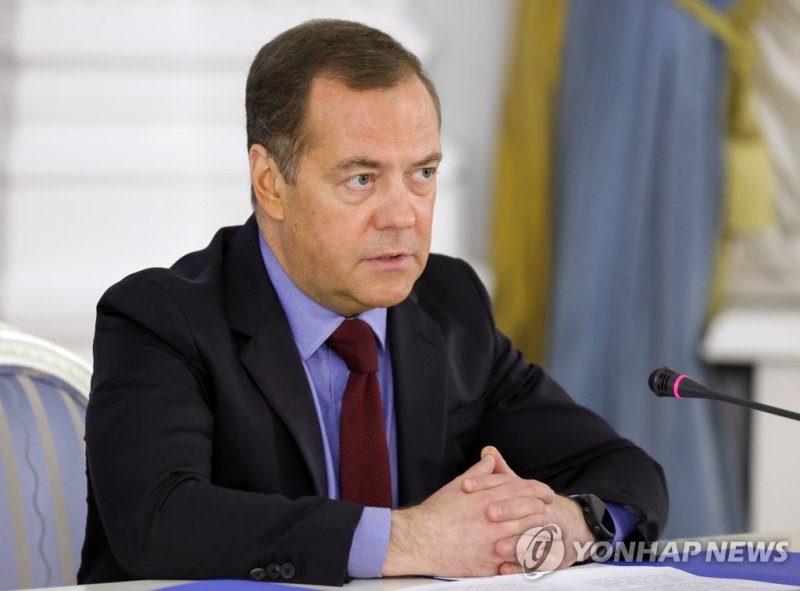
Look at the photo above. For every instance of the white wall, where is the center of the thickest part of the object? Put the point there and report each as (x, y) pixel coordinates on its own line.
(126, 143)
(470, 43)
(6, 72)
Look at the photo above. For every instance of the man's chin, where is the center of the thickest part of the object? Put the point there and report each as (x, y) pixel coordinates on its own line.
(389, 297)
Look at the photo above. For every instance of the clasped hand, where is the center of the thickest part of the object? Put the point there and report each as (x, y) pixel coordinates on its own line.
(472, 525)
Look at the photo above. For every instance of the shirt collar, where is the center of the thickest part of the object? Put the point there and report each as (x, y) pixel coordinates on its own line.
(312, 323)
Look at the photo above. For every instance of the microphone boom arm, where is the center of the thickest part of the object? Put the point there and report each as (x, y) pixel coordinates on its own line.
(782, 412)
(668, 383)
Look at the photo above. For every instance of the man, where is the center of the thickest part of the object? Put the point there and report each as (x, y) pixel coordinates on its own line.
(313, 398)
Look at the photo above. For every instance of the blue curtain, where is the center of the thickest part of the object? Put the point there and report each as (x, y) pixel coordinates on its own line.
(638, 197)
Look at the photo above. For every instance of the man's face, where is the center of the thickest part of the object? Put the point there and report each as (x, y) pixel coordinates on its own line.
(356, 224)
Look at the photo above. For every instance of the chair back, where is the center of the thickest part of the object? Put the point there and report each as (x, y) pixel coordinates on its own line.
(43, 396)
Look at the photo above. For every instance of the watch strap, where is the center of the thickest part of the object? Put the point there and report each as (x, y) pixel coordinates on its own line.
(597, 516)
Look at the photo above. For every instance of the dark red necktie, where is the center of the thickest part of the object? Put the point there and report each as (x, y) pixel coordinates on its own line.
(364, 476)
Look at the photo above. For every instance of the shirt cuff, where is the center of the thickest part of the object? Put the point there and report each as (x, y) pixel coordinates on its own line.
(370, 541)
(624, 520)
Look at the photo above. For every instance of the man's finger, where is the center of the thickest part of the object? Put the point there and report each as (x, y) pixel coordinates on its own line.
(501, 466)
(484, 467)
(484, 482)
(507, 548)
(509, 568)
(512, 486)
(515, 508)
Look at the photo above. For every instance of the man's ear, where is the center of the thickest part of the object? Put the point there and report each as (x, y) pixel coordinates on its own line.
(268, 184)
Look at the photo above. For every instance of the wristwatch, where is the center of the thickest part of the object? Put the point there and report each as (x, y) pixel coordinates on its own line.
(597, 517)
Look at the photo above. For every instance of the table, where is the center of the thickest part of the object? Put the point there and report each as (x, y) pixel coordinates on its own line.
(149, 585)
(792, 536)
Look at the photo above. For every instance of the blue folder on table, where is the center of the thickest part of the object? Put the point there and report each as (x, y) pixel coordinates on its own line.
(234, 585)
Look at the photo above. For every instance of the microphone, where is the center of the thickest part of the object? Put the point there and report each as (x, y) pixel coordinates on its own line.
(666, 382)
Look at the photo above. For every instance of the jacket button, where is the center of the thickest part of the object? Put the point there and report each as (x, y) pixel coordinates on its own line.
(258, 574)
(273, 571)
(287, 570)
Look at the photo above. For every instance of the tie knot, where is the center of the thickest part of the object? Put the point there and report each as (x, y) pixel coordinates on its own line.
(354, 342)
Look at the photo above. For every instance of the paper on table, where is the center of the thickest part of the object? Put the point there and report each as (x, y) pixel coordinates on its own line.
(594, 577)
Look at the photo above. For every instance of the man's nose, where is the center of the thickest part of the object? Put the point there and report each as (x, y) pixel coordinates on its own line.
(396, 208)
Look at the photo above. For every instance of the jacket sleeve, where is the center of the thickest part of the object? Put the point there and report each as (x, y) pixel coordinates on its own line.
(149, 432)
(545, 435)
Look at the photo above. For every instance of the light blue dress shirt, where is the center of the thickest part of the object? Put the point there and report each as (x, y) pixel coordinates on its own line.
(311, 325)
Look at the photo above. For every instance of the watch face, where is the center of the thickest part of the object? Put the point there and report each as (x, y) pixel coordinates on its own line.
(608, 521)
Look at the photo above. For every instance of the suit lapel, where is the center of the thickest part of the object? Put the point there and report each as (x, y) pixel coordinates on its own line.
(270, 355)
(417, 348)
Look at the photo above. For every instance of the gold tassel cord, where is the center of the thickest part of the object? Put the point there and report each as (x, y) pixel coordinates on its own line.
(748, 204)
(523, 220)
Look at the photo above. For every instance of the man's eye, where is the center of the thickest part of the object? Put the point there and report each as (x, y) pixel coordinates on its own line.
(425, 174)
(359, 181)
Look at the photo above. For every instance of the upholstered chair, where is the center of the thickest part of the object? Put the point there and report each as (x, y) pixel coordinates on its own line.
(43, 395)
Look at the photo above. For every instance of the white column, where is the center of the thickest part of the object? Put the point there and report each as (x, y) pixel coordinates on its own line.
(769, 340)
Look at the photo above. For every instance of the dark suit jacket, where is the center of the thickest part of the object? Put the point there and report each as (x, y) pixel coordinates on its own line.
(204, 452)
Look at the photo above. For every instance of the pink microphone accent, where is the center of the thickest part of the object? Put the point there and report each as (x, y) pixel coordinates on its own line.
(675, 385)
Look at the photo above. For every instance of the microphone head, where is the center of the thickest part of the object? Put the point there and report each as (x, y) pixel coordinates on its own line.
(662, 380)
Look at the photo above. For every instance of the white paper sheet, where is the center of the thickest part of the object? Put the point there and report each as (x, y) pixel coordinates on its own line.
(598, 577)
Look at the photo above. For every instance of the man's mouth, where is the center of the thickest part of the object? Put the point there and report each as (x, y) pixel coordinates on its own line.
(389, 256)
(390, 259)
